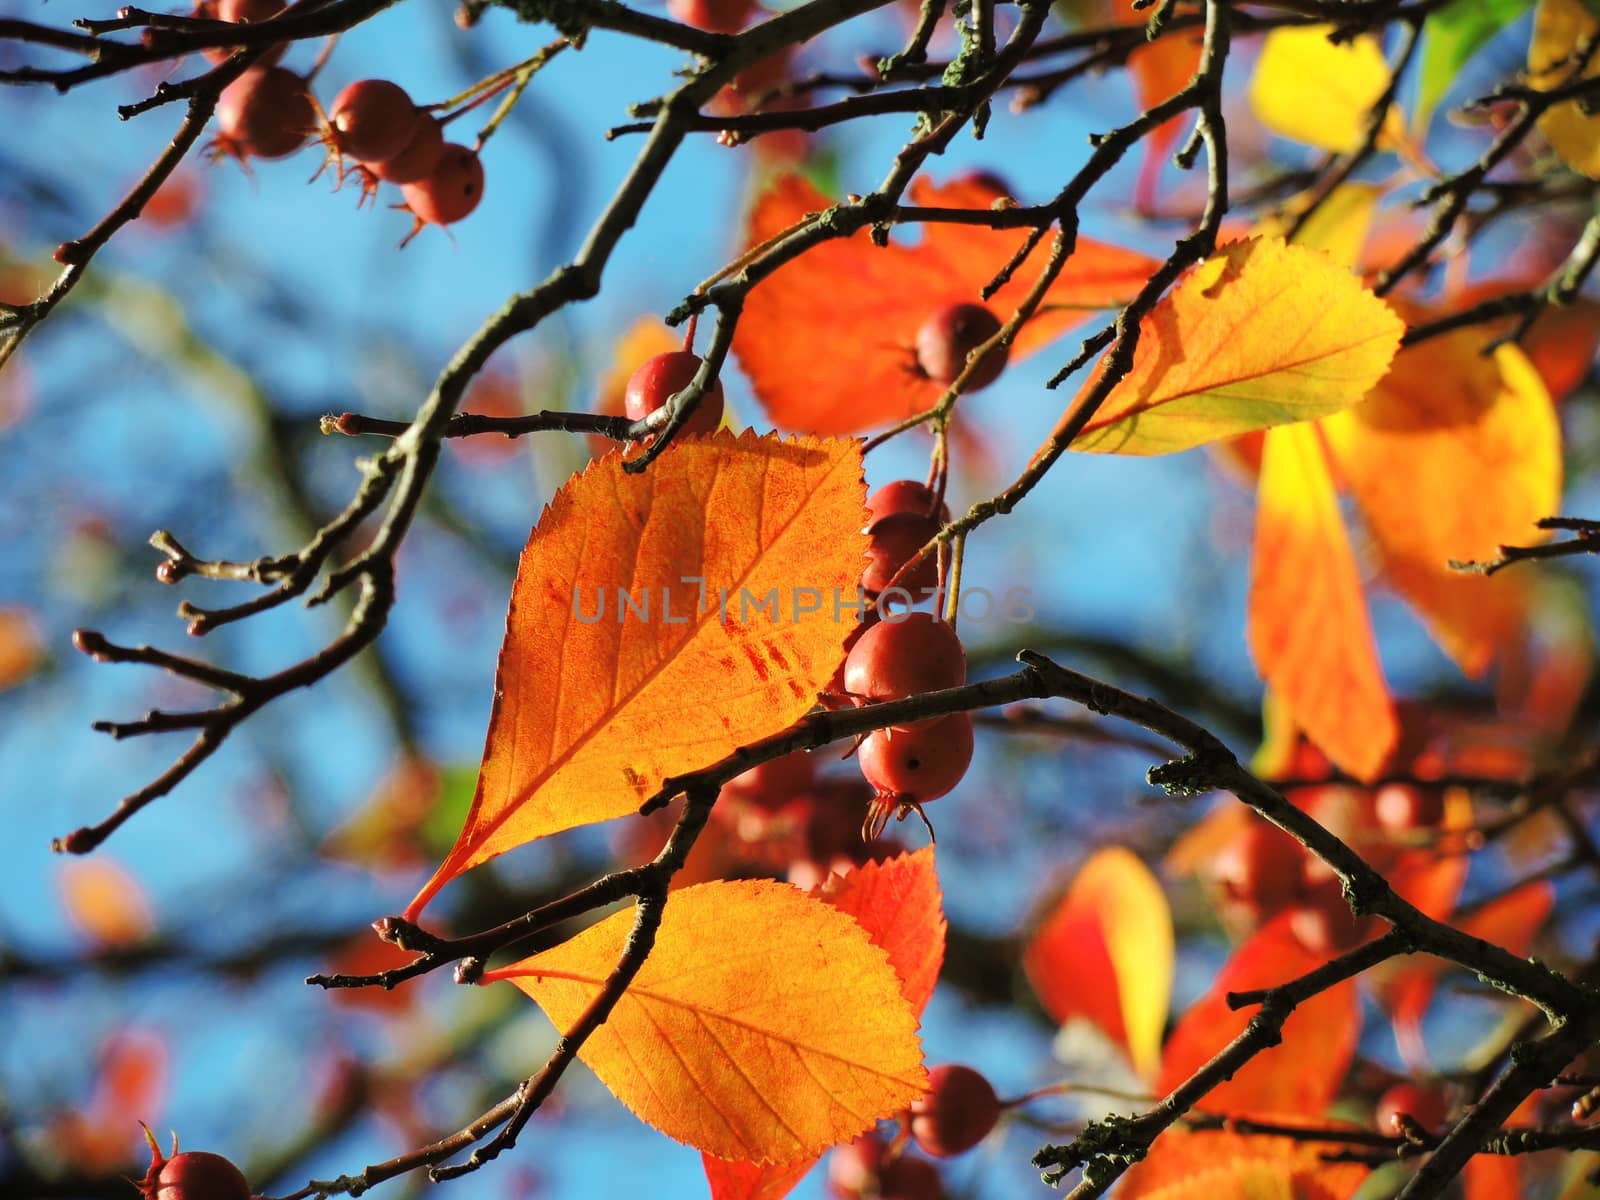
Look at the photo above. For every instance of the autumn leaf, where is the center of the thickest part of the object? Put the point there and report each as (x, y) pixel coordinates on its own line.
(897, 901)
(754, 1181)
(764, 1025)
(1309, 631)
(1105, 953)
(1320, 92)
(1216, 1165)
(1451, 456)
(1260, 334)
(1561, 31)
(1298, 1077)
(598, 702)
(829, 340)
(1510, 921)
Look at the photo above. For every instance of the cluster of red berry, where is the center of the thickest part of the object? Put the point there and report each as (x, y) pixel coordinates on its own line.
(958, 1111)
(789, 820)
(1263, 871)
(269, 112)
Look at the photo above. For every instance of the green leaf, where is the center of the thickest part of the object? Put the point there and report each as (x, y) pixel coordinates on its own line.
(1454, 34)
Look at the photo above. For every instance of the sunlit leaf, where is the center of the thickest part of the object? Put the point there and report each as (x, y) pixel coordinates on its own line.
(764, 1026)
(829, 340)
(1453, 455)
(1205, 1165)
(1309, 631)
(1561, 29)
(1298, 1077)
(1260, 334)
(1451, 36)
(754, 1181)
(898, 902)
(1105, 953)
(1314, 90)
(595, 706)
(1340, 224)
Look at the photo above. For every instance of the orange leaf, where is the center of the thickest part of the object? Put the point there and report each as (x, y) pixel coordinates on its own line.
(1451, 456)
(831, 359)
(1191, 1165)
(1491, 1177)
(1511, 922)
(596, 702)
(1309, 632)
(1105, 953)
(105, 902)
(897, 901)
(752, 1181)
(1298, 1077)
(764, 1026)
(1262, 333)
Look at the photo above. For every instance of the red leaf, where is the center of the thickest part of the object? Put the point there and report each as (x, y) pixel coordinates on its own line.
(827, 358)
(897, 902)
(1297, 1078)
(751, 1181)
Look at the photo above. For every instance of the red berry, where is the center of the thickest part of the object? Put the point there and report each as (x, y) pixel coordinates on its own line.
(420, 156)
(717, 16)
(198, 1175)
(907, 1178)
(1425, 1106)
(957, 1113)
(662, 377)
(896, 659)
(913, 764)
(265, 113)
(894, 540)
(1323, 922)
(1402, 808)
(1260, 869)
(953, 332)
(452, 189)
(905, 496)
(372, 120)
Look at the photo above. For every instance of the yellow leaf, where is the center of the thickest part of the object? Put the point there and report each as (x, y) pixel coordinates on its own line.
(1340, 224)
(764, 1026)
(737, 550)
(1315, 91)
(1309, 631)
(1261, 334)
(1451, 456)
(1561, 28)
(1105, 953)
